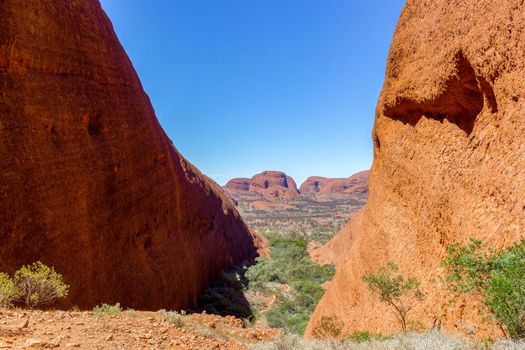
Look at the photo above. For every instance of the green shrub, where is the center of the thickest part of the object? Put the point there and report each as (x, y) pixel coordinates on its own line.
(498, 278)
(361, 337)
(8, 290)
(106, 309)
(39, 285)
(468, 267)
(397, 291)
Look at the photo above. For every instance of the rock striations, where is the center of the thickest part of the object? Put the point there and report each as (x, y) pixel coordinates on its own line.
(90, 183)
(449, 145)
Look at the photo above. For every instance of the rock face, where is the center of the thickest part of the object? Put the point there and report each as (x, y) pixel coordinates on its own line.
(90, 183)
(325, 189)
(449, 142)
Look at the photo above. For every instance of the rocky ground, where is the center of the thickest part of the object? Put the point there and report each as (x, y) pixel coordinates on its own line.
(125, 330)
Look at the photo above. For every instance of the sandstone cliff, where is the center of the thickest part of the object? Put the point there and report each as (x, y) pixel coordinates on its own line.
(89, 182)
(449, 145)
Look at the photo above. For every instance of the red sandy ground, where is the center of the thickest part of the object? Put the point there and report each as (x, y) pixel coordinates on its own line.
(126, 330)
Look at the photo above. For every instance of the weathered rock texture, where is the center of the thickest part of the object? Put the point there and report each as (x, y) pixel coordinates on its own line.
(449, 143)
(89, 182)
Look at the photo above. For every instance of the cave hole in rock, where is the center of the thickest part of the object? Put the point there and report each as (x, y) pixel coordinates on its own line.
(461, 101)
(92, 124)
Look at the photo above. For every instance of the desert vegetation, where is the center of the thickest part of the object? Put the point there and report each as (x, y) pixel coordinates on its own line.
(497, 278)
(400, 293)
(294, 281)
(32, 286)
(107, 309)
(313, 220)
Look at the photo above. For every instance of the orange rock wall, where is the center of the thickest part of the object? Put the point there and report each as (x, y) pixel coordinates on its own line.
(449, 145)
(89, 181)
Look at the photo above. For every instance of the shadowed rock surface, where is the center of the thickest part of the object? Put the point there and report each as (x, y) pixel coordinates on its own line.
(90, 183)
(449, 146)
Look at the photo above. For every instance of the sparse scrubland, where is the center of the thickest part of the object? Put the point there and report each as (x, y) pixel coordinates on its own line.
(290, 266)
(313, 220)
(288, 279)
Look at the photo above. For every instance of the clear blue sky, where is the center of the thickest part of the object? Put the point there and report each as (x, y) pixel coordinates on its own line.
(243, 86)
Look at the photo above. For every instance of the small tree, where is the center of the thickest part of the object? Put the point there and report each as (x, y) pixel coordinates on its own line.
(8, 290)
(39, 285)
(397, 291)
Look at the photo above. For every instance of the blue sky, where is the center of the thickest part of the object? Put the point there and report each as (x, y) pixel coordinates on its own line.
(243, 86)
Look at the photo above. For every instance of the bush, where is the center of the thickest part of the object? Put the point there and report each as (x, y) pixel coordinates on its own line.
(39, 285)
(498, 278)
(361, 337)
(106, 309)
(396, 290)
(172, 317)
(8, 290)
(468, 267)
(328, 327)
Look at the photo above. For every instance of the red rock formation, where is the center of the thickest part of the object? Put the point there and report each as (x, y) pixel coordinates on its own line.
(269, 185)
(313, 184)
(89, 182)
(325, 189)
(449, 145)
(274, 185)
(238, 185)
